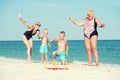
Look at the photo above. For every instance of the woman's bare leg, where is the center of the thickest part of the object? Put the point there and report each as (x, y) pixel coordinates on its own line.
(31, 44)
(94, 48)
(88, 50)
(28, 49)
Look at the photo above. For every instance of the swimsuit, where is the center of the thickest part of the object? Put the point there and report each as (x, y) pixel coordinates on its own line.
(44, 49)
(90, 29)
(28, 34)
(61, 54)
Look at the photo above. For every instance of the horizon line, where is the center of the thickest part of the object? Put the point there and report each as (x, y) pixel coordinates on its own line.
(68, 40)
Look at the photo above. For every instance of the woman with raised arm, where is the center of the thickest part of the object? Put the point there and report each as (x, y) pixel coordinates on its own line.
(90, 24)
(27, 36)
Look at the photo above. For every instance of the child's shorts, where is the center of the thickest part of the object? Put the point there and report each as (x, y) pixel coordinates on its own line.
(44, 49)
(62, 55)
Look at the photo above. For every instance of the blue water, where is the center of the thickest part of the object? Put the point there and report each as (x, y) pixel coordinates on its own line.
(109, 50)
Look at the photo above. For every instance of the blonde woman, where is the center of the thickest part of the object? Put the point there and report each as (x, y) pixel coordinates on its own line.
(27, 36)
(90, 24)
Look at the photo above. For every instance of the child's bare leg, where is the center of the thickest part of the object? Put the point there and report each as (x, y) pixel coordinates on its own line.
(54, 54)
(42, 57)
(46, 57)
(62, 62)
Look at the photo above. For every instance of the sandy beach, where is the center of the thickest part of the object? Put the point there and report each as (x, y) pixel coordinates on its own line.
(13, 69)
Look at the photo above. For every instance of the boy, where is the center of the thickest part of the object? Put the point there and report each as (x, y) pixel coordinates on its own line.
(62, 48)
(44, 46)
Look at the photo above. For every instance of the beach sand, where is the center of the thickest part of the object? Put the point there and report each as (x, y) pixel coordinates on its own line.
(14, 69)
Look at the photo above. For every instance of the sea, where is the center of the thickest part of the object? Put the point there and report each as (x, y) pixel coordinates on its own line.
(108, 50)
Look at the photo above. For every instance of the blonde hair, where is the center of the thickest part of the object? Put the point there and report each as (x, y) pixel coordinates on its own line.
(62, 32)
(45, 30)
(90, 11)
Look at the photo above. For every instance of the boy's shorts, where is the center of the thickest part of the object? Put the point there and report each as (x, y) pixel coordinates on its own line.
(61, 54)
(44, 49)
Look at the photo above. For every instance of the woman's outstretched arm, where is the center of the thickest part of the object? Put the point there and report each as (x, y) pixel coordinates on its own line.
(54, 40)
(24, 22)
(101, 25)
(81, 23)
(38, 34)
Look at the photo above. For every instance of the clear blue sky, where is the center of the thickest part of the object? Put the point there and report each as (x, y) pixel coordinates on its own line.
(53, 15)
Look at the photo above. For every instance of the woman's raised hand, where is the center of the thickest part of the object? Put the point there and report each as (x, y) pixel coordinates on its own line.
(70, 18)
(19, 15)
(102, 25)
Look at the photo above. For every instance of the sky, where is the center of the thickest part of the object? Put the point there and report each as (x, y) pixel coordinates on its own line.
(53, 15)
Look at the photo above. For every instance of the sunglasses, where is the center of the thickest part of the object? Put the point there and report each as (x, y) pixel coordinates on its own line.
(38, 24)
